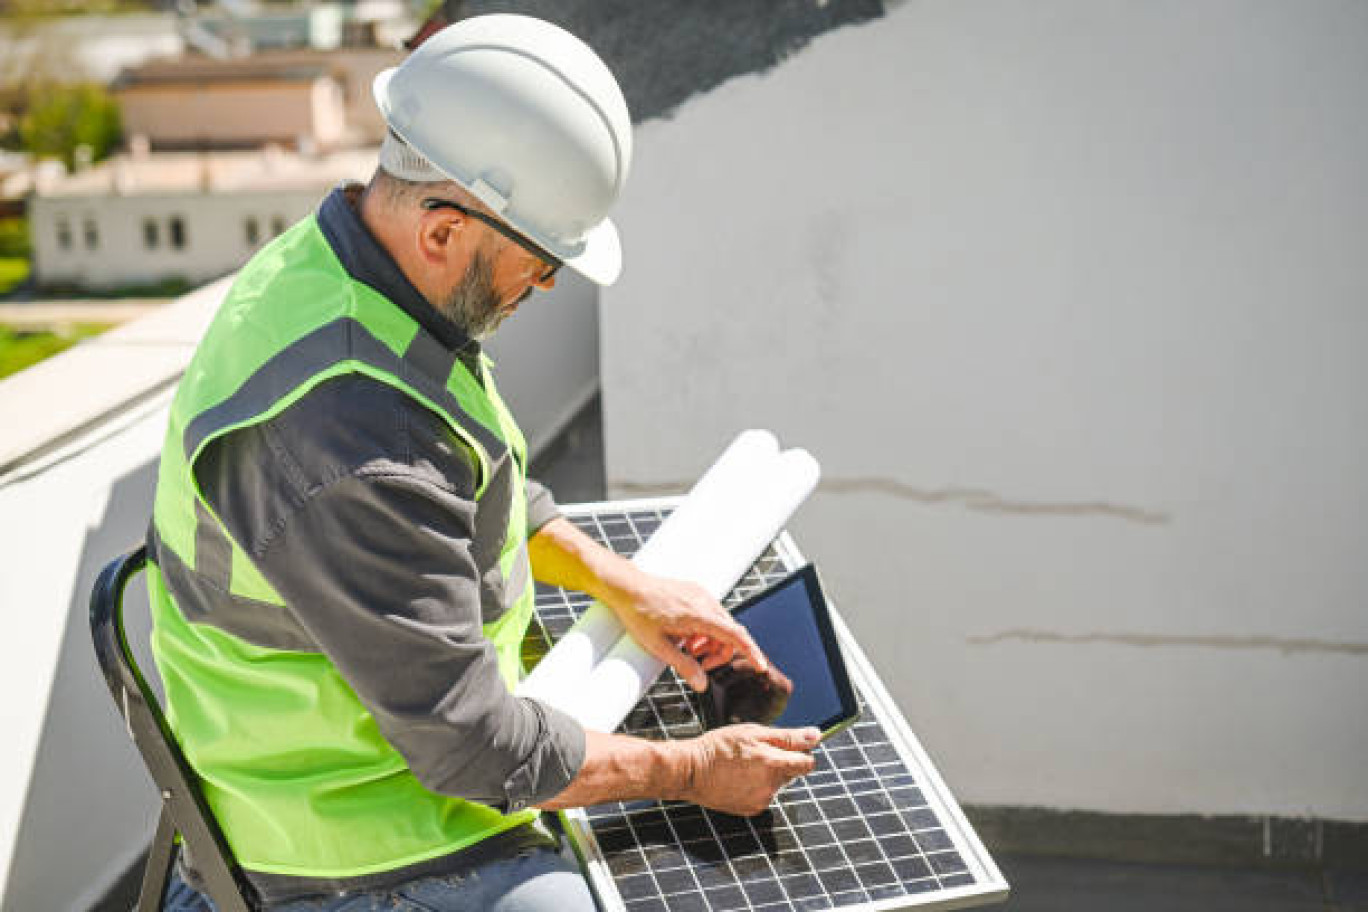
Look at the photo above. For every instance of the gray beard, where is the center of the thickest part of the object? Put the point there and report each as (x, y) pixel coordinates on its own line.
(472, 304)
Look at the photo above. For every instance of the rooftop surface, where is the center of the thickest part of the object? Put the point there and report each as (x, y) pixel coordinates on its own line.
(1043, 884)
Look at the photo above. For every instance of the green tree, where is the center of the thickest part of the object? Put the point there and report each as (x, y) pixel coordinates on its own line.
(61, 118)
(14, 238)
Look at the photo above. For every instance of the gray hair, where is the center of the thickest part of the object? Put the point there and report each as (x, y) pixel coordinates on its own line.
(398, 193)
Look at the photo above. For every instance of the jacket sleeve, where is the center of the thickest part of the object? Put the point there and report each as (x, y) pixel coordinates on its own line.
(368, 538)
(541, 506)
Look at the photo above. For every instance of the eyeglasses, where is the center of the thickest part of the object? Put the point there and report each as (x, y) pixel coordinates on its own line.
(552, 262)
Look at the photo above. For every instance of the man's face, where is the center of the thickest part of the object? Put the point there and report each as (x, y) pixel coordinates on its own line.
(499, 278)
(473, 304)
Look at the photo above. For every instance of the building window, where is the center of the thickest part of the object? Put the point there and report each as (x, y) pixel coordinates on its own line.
(177, 232)
(64, 234)
(92, 234)
(253, 231)
(277, 226)
(151, 234)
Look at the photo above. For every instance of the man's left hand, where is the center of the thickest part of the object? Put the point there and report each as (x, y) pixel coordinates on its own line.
(679, 623)
(676, 621)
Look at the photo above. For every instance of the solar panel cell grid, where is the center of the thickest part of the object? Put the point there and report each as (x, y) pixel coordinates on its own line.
(856, 831)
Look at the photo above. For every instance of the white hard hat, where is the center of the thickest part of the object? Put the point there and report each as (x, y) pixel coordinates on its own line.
(527, 118)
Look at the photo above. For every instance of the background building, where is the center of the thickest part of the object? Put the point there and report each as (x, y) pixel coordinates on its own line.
(154, 214)
(261, 27)
(352, 69)
(236, 103)
(141, 219)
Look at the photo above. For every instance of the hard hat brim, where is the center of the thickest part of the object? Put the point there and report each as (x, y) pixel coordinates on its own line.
(600, 260)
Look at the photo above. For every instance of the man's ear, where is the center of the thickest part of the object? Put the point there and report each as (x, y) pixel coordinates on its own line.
(438, 233)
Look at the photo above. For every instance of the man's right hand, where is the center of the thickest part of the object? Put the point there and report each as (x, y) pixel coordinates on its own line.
(738, 769)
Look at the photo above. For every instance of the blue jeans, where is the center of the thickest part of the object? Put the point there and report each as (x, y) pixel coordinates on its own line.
(534, 880)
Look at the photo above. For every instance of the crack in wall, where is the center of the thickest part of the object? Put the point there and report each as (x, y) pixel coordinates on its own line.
(1285, 645)
(648, 488)
(976, 499)
(985, 501)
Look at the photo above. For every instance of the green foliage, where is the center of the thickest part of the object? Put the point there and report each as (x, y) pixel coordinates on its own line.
(14, 238)
(25, 11)
(61, 118)
(19, 349)
(169, 287)
(13, 270)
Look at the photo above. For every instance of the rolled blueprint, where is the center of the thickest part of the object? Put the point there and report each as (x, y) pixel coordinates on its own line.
(562, 672)
(712, 539)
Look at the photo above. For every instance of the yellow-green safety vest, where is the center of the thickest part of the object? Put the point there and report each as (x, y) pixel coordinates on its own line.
(295, 769)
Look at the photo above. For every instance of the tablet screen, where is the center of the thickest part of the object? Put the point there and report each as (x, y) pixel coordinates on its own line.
(792, 625)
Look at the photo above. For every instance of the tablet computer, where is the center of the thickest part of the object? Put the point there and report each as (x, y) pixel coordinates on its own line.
(791, 623)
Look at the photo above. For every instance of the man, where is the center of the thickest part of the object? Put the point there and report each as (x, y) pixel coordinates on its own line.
(344, 527)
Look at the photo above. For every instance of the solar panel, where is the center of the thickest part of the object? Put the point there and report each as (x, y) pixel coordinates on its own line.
(873, 827)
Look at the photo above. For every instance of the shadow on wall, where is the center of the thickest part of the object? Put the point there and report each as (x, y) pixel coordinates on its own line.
(663, 52)
(88, 782)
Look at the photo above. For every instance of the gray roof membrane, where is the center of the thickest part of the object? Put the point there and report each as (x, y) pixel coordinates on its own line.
(664, 52)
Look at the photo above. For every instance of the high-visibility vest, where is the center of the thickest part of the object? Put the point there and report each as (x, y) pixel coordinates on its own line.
(293, 766)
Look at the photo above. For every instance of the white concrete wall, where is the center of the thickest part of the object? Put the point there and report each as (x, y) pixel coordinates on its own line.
(547, 357)
(76, 806)
(215, 234)
(1068, 299)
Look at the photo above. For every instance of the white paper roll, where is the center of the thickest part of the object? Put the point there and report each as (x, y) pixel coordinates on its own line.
(740, 518)
(562, 671)
(597, 672)
(691, 522)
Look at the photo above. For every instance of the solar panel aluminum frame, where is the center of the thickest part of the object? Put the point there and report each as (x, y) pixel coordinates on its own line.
(989, 885)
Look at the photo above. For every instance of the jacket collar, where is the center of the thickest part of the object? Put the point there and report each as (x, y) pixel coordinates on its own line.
(368, 262)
